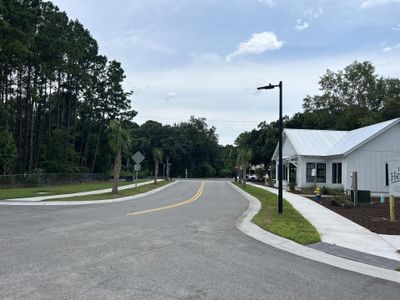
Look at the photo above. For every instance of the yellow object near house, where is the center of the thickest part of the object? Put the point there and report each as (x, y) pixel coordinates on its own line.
(317, 191)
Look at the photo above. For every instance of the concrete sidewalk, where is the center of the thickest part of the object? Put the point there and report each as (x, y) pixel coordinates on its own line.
(337, 230)
(96, 192)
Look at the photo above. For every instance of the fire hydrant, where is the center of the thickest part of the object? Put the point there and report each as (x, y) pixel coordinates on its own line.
(317, 193)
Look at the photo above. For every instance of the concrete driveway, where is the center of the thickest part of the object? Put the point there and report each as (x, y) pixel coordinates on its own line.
(187, 251)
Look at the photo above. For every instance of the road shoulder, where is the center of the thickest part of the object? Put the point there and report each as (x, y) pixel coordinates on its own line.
(69, 203)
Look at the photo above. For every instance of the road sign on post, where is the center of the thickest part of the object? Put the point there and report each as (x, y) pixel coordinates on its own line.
(137, 158)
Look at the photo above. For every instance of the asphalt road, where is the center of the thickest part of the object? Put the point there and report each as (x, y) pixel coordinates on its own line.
(193, 251)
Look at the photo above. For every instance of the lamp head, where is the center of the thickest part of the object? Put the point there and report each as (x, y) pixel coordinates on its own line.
(267, 87)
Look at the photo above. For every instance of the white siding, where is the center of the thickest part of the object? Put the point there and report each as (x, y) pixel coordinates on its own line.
(369, 161)
(300, 175)
(288, 149)
(302, 171)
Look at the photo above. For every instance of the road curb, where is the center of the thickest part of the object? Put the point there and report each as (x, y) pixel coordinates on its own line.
(72, 195)
(244, 224)
(69, 203)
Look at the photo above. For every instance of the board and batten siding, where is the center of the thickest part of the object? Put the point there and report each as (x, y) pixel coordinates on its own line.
(369, 161)
(288, 149)
(302, 170)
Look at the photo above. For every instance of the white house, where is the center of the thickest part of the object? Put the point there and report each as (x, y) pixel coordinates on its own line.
(336, 154)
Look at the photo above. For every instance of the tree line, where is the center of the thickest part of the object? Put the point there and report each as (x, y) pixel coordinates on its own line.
(63, 108)
(188, 148)
(57, 93)
(350, 98)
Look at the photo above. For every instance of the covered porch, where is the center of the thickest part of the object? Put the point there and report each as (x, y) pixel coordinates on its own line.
(289, 175)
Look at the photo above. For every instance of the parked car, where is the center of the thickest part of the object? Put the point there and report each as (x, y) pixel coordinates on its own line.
(252, 177)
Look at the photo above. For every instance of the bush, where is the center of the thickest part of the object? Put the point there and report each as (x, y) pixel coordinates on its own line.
(342, 201)
(292, 186)
(324, 190)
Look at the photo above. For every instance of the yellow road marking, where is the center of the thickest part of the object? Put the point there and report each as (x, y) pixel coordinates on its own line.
(194, 198)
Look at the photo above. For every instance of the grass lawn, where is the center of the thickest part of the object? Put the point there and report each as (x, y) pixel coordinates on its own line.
(58, 189)
(290, 224)
(123, 193)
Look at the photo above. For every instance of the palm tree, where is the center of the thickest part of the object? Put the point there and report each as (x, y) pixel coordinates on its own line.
(119, 140)
(243, 159)
(157, 156)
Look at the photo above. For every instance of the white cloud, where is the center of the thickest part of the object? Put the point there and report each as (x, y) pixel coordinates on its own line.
(304, 22)
(390, 48)
(170, 96)
(396, 28)
(316, 13)
(270, 3)
(301, 25)
(387, 49)
(257, 44)
(372, 3)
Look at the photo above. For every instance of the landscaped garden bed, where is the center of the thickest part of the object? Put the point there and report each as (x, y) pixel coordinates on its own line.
(374, 217)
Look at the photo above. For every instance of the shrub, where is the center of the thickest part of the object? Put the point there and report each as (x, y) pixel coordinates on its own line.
(292, 186)
(342, 201)
(324, 190)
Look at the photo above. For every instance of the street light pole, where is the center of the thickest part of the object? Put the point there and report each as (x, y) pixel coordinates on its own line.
(280, 164)
(280, 187)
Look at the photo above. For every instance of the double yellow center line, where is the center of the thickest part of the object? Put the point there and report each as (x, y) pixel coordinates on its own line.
(194, 198)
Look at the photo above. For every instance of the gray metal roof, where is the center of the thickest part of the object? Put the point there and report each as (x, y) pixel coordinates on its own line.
(313, 142)
(358, 137)
(310, 142)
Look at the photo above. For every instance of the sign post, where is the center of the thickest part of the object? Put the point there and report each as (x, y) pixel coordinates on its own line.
(394, 186)
(137, 158)
(137, 168)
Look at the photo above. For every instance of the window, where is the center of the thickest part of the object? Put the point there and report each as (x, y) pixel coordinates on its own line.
(337, 173)
(387, 174)
(321, 172)
(310, 166)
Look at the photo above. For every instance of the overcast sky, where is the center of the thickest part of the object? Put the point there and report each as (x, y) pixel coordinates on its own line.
(206, 57)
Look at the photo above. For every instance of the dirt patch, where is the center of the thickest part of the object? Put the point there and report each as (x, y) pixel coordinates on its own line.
(374, 217)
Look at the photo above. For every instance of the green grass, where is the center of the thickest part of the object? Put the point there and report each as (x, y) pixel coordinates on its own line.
(398, 269)
(57, 189)
(290, 224)
(121, 193)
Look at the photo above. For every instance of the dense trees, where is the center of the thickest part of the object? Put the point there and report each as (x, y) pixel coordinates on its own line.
(57, 94)
(349, 99)
(190, 146)
(8, 152)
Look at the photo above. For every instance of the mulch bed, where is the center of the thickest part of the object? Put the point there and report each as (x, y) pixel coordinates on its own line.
(374, 217)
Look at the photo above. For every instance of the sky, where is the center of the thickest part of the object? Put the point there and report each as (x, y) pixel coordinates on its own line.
(207, 57)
